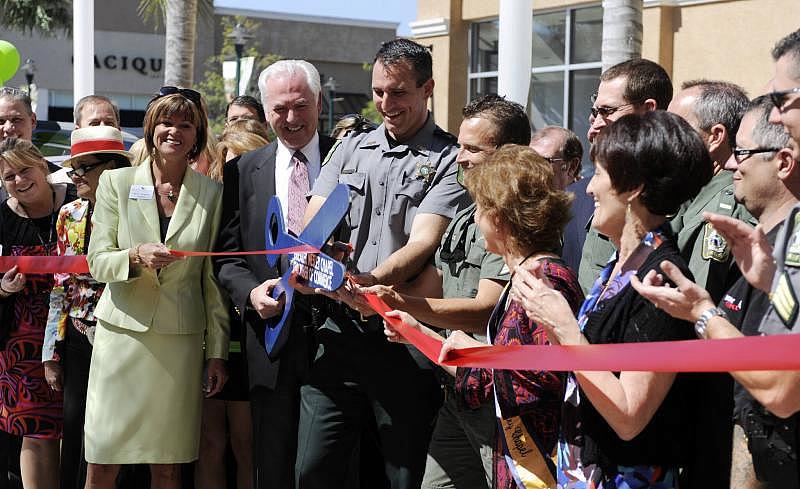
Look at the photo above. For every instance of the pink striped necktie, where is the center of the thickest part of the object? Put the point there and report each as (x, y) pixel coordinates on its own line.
(298, 189)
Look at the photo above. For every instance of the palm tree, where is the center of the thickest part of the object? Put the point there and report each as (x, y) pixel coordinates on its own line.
(43, 16)
(622, 31)
(180, 21)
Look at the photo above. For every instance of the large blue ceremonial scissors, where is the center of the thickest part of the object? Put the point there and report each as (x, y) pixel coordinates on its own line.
(317, 270)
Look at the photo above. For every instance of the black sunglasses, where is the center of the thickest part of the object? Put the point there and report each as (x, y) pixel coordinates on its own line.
(741, 154)
(779, 97)
(191, 95)
(83, 170)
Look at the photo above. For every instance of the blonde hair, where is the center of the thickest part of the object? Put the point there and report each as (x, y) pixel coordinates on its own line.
(515, 187)
(20, 154)
(213, 156)
(139, 152)
(242, 136)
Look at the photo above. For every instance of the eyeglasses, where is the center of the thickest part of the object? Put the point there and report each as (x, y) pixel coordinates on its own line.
(191, 95)
(741, 154)
(14, 92)
(779, 97)
(83, 170)
(604, 112)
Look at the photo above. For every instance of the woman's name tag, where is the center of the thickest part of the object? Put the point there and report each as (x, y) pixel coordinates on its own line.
(141, 192)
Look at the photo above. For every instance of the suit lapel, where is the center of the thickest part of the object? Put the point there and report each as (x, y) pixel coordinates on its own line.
(262, 186)
(187, 201)
(147, 207)
(264, 174)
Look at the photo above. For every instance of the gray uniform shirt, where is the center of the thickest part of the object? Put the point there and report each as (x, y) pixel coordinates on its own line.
(389, 186)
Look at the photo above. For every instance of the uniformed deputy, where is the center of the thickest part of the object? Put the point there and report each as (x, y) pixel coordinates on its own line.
(403, 191)
(714, 109)
(459, 291)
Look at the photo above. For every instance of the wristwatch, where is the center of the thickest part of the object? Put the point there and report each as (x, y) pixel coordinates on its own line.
(702, 323)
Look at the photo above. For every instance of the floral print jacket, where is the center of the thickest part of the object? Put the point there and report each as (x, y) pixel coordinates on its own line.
(74, 295)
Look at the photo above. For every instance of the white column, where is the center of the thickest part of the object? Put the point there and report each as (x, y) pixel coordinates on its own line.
(514, 50)
(82, 49)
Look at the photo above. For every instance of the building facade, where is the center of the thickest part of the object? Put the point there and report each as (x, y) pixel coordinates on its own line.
(129, 56)
(714, 39)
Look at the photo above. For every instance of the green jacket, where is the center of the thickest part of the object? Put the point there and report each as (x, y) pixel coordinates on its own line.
(708, 254)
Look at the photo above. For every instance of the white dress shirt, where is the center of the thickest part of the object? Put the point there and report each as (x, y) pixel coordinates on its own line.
(284, 167)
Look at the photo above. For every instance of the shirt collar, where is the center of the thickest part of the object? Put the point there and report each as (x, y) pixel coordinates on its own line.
(312, 156)
(420, 142)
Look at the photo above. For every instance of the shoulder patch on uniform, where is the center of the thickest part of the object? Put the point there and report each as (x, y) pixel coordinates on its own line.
(714, 245)
(330, 153)
(784, 300)
(792, 255)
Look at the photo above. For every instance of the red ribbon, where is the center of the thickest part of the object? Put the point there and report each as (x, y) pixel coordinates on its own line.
(738, 354)
(77, 263)
(279, 251)
(45, 264)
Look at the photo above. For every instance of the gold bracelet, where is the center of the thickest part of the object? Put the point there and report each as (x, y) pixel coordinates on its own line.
(137, 258)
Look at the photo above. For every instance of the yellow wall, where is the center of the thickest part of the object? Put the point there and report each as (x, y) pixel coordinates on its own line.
(731, 40)
(727, 39)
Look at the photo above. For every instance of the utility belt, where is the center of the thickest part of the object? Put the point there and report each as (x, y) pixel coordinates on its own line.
(351, 321)
(773, 444)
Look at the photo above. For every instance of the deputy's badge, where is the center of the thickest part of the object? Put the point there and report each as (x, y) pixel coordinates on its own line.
(792, 255)
(425, 171)
(784, 300)
(714, 245)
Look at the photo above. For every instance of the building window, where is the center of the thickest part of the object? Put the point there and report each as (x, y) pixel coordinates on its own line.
(566, 66)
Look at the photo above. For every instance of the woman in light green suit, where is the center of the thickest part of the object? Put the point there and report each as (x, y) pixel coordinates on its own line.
(157, 311)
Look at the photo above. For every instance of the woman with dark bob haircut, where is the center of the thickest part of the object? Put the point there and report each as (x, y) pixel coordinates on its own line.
(626, 429)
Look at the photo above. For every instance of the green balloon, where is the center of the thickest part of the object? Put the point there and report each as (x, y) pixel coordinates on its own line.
(9, 61)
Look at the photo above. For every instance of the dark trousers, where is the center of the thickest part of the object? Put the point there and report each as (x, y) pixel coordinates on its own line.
(353, 375)
(77, 355)
(275, 414)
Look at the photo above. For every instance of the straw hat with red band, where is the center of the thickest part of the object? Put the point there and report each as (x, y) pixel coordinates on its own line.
(96, 140)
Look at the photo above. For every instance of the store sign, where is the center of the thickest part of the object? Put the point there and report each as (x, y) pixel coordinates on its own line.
(139, 64)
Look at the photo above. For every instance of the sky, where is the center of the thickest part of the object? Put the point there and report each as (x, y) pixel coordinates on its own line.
(402, 11)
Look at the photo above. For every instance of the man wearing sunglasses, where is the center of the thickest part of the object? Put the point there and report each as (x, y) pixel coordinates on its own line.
(631, 87)
(786, 87)
(287, 168)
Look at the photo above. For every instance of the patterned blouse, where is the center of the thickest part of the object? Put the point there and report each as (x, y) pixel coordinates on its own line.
(74, 295)
(532, 398)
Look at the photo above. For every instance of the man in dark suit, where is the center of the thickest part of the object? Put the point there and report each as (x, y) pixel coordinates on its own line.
(290, 91)
(562, 148)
